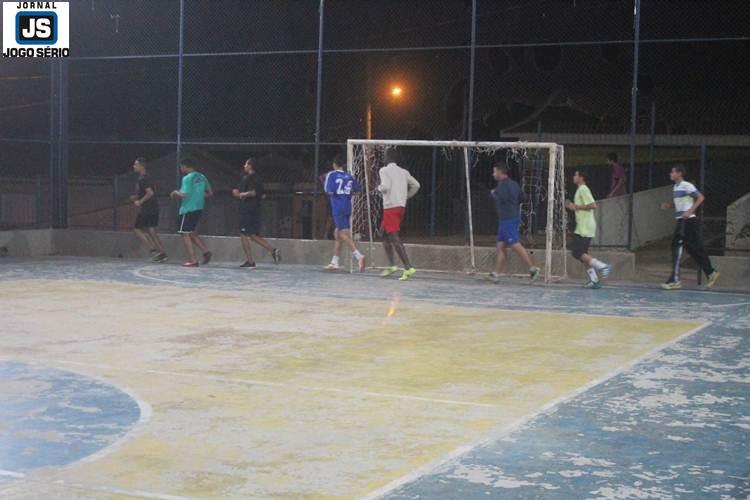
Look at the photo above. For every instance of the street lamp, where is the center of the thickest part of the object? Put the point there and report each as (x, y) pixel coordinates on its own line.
(396, 92)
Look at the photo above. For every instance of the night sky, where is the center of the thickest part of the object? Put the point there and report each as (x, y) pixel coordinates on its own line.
(566, 63)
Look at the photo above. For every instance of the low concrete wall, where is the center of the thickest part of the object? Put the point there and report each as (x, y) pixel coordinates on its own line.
(735, 271)
(27, 243)
(650, 223)
(123, 244)
(738, 226)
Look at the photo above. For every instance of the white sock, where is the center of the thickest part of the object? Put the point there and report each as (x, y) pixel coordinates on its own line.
(597, 264)
(357, 254)
(335, 260)
(592, 275)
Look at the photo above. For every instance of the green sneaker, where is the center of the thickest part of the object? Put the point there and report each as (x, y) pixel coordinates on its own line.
(407, 274)
(492, 277)
(712, 279)
(534, 273)
(594, 285)
(388, 271)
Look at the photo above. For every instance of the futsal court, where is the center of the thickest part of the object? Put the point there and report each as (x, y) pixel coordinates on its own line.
(128, 380)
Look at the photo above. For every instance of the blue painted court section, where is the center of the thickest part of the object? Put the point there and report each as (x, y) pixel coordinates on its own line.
(51, 417)
(676, 425)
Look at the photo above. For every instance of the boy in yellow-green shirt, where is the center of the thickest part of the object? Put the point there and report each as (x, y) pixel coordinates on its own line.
(584, 205)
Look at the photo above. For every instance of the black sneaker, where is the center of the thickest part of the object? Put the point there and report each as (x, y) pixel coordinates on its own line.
(276, 254)
(207, 258)
(250, 265)
(160, 258)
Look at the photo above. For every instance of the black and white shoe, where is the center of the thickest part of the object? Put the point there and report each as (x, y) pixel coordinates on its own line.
(249, 265)
(207, 258)
(160, 258)
(276, 254)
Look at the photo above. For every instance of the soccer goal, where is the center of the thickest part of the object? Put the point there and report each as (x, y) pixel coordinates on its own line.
(464, 179)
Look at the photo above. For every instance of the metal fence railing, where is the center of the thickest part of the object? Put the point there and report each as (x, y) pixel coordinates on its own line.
(288, 81)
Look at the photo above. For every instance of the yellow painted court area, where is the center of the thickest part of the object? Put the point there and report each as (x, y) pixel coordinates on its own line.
(256, 395)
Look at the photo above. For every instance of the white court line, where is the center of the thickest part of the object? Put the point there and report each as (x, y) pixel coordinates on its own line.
(144, 416)
(546, 409)
(264, 383)
(8, 473)
(111, 490)
(536, 308)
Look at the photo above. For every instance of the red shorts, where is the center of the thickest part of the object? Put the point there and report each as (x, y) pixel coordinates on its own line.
(392, 218)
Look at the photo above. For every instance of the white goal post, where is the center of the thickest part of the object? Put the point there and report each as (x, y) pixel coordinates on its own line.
(541, 166)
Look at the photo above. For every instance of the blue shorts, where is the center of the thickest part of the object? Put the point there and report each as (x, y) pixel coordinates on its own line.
(508, 231)
(342, 221)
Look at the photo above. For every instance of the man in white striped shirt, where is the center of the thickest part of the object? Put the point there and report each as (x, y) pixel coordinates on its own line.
(686, 200)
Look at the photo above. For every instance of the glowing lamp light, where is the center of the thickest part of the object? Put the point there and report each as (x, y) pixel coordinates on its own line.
(396, 91)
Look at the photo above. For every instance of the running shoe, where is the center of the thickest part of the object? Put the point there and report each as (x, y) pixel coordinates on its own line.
(207, 258)
(408, 273)
(388, 271)
(160, 258)
(534, 273)
(712, 279)
(671, 285)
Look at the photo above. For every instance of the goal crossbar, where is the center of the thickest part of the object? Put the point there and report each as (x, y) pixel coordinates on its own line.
(455, 144)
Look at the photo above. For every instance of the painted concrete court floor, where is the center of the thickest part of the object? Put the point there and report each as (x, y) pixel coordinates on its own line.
(120, 379)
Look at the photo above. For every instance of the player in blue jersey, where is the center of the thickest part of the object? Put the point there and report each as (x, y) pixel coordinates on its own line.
(339, 186)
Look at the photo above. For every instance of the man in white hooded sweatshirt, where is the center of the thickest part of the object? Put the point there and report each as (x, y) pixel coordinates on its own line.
(396, 185)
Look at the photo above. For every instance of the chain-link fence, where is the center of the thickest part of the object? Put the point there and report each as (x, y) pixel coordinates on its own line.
(288, 81)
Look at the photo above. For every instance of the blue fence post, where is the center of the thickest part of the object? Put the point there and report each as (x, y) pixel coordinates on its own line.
(633, 116)
(652, 146)
(180, 71)
(701, 188)
(433, 191)
(472, 73)
(115, 200)
(38, 207)
(318, 99)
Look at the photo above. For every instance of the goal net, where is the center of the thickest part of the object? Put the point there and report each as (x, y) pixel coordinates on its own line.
(454, 206)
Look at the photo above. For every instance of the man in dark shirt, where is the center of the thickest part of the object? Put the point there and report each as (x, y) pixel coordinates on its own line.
(508, 197)
(251, 193)
(616, 176)
(147, 219)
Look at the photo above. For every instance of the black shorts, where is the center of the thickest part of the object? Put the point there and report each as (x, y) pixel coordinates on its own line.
(147, 220)
(250, 222)
(186, 223)
(580, 246)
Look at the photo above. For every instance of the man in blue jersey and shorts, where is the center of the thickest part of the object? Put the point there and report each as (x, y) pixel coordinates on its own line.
(339, 186)
(508, 197)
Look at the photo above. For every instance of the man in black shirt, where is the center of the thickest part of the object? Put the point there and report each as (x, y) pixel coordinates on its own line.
(251, 194)
(148, 212)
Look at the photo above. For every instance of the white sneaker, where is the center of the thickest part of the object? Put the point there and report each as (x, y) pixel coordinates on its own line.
(332, 267)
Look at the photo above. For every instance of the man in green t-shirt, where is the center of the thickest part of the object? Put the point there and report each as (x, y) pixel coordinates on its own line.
(584, 205)
(192, 195)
